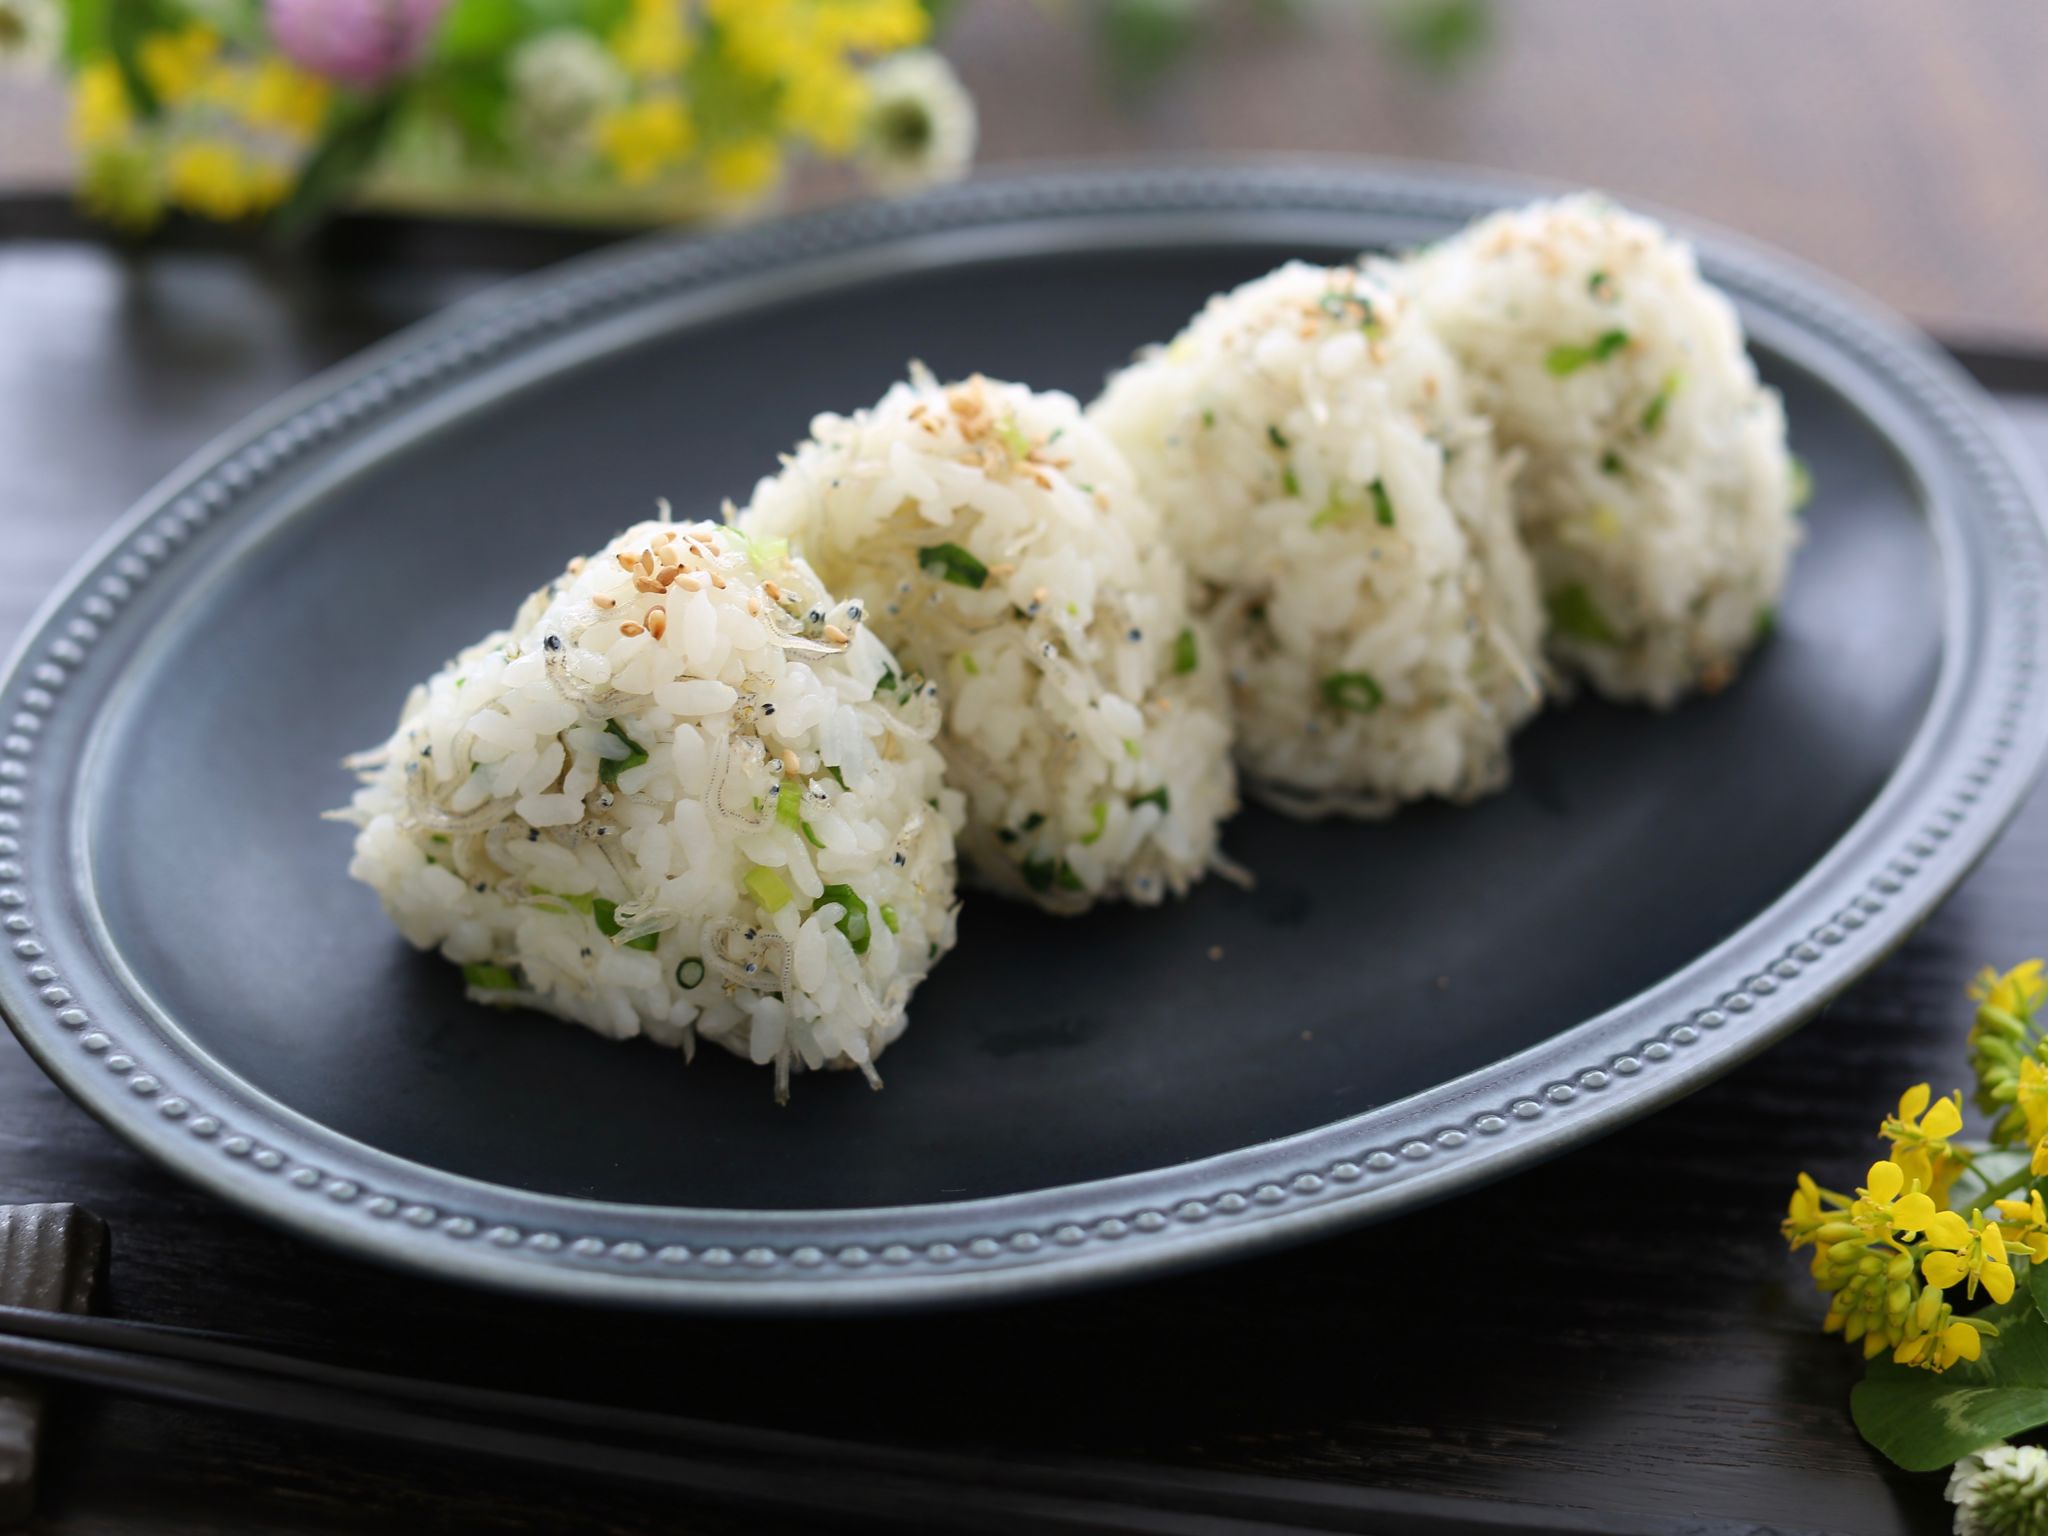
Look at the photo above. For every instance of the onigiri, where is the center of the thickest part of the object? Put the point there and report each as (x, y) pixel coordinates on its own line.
(1003, 549)
(1656, 494)
(1339, 503)
(686, 795)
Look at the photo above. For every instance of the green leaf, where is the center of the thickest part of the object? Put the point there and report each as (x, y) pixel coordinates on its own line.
(609, 769)
(854, 923)
(1382, 504)
(490, 978)
(1573, 613)
(949, 562)
(353, 141)
(1569, 359)
(1924, 1421)
(606, 914)
(127, 22)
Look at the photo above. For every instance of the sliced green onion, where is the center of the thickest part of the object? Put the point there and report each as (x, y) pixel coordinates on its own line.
(889, 918)
(886, 683)
(1382, 504)
(689, 972)
(1132, 750)
(789, 804)
(767, 887)
(1034, 821)
(610, 768)
(1099, 811)
(1289, 483)
(490, 978)
(811, 837)
(949, 562)
(1610, 463)
(1566, 359)
(855, 923)
(1596, 282)
(1185, 656)
(1574, 615)
(1208, 418)
(1358, 692)
(1156, 797)
(438, 837)
(1278, 437)
(969, 665)
(837, 777)
(1066, 879)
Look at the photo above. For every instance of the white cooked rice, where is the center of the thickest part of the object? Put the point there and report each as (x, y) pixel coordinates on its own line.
(1309, 444)
(1657, 496)
(1004, 549)
(718, 831)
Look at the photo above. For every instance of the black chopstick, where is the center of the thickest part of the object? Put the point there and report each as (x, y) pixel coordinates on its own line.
(736, 1463)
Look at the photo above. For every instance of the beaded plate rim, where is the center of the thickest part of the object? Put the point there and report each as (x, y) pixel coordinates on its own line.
(1972, 759)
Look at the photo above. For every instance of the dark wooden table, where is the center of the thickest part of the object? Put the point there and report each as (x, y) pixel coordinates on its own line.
(1613, 1343)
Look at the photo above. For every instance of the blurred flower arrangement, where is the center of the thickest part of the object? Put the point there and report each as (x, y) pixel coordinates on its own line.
(596, 109)
(1936, 1269)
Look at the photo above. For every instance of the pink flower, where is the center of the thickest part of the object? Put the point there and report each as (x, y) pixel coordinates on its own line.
(362, 43)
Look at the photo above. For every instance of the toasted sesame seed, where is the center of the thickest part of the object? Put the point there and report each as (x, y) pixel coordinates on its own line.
(646, 584)
(626, 561)
(835, 635)
(657, 621)
(576, 566)
(789, 762)
(774, 592)
(629, 629)
(603, 601)
(753, 605)
(718, 581)
(647, 562)
(690, 581)
(667, 574)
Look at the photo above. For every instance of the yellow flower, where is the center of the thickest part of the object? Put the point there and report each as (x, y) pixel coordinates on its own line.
(214, 178)
(2032, 1097)
(1965, 1251)
(1935, 1337)
(283, 100)
(645, 139)
(1886, 1206)
(1919, 1135)
(804, 46)
(176, 63)
(2018, 992)
(99, 106)
(744, 167)
(651, 42)
(2025, 1224)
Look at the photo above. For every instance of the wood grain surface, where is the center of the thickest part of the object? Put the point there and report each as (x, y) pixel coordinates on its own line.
(1613, 1342)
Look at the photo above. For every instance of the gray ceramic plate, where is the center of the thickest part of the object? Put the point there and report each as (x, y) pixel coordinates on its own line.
(1399, 1010)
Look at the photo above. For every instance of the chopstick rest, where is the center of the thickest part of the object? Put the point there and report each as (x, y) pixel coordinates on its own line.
(50, 1258)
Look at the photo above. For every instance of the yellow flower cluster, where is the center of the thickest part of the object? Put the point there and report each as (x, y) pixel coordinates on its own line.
(1890, 1256)
(223, 140)
(758, 72)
